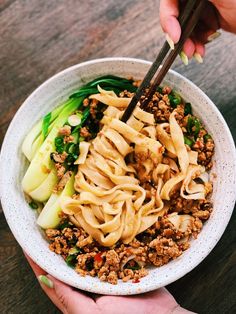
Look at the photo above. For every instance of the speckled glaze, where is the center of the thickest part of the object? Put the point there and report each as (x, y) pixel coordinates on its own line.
(22, 220)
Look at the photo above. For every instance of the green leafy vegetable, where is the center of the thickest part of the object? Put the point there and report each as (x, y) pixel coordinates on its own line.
(41, 165)
(59, 144)
(108, 82)
(49, 216)
(45, 124)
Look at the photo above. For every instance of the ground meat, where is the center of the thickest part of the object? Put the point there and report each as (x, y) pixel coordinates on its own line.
(60, 170)
(65, 130)
(202, 214)
(52, 233)
(86, 102)
(112, 277)
(159, 106)
(68, 139)
(112, 258)
(59, 246)
(126, 94)
(68, 233)
(164, 249)
(84, 132)
(93, 108)
(179, 112)
(61, 184)
(157, 245)
(59, 158)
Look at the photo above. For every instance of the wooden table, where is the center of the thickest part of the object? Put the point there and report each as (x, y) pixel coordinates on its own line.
(40, 38)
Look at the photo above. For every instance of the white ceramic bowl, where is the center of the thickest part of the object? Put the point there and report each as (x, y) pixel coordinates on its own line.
(22, 219)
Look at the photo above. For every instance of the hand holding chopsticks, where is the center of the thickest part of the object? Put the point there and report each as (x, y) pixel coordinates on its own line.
(188, 21)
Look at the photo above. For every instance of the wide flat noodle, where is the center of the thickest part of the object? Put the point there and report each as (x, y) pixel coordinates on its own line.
(83, 152)
(190, 189)
(111, 100)
(181, 222)
(165, 138)
(111, 205)
(143, 116)
(178, 141)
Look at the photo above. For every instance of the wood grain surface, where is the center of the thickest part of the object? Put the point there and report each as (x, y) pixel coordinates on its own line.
(38, 38)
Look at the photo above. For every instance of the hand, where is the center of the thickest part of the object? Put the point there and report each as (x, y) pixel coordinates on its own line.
(72, 301)
(218, 14)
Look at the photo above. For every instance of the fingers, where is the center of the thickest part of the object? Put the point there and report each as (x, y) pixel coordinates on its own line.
(72, 300)
(169, 11)
(199, 49)
(158, 301)
(203, 33)
(189, 48)
(49, 291)
(36, 269)
(193, 48)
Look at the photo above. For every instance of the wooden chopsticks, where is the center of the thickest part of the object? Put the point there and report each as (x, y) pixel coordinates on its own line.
(188, 20)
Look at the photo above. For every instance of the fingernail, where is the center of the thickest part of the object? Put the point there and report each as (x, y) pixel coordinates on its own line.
(170, 42)
(198, 57)
(46, 281)
(184, 57)
(213, 36)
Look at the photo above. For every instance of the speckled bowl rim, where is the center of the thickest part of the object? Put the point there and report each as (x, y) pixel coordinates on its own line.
(92, 284)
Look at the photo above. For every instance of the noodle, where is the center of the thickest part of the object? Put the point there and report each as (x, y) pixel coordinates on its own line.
(110, 204)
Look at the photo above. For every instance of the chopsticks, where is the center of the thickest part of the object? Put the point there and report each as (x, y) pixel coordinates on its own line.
(188, 20)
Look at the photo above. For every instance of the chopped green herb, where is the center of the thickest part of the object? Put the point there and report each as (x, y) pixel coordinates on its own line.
(71, 158)
(206, 137)
(74, 119)
(190, 125)
(159, 89)
(193, 126)
(132, 265)
(188, 141)
(175, 99)
(74, 250)
(187, 109)
(71, 260)
(58, 140)
(197, 127)
(33, 205)
(64, 224)
(59, 144)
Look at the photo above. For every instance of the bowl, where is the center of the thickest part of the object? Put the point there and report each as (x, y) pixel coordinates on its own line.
(22, 220)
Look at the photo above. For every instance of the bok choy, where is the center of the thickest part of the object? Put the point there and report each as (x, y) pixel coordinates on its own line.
(44, 144)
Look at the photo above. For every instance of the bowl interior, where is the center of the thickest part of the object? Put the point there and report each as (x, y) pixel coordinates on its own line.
(22, 220)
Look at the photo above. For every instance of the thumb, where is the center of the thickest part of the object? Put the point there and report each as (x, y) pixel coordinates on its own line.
(73, 301)
(169, 11)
